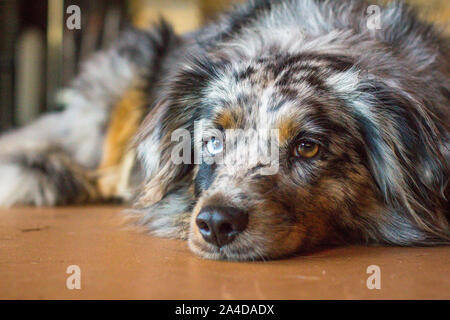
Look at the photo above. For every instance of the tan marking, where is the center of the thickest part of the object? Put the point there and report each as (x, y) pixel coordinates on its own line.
(115, 166)
(287, 130)
(230, 119)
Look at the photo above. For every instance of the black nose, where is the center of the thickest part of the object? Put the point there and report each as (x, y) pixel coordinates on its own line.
(220, 225)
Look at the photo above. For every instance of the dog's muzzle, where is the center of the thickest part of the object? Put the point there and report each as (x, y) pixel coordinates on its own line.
(220, 225)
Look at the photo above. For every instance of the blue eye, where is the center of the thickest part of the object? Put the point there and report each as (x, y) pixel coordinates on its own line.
(214, 146)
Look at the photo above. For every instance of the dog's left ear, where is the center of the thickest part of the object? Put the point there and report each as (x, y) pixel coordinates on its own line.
(405, 145)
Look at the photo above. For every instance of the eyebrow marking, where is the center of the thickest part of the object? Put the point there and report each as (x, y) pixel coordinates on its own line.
(287, 129)
(230, 118)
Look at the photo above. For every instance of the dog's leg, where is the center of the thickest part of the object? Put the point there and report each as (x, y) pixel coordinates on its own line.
(44, 178)
(48, 161)
(117, 160)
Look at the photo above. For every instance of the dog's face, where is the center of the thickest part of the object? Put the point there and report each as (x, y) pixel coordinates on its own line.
(338, 171)
(257, 209)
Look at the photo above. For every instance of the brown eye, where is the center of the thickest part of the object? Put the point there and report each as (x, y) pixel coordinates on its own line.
(306, 149)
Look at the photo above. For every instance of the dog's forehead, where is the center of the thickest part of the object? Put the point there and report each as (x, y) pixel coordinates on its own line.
(252, 92)
(263, 92)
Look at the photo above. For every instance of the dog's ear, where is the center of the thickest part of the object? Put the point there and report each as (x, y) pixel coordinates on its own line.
(167, 197)
(178, 108)
(164, 203)
(404, 144)
(154, 150)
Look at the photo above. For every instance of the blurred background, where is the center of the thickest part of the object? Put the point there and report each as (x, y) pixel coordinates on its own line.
(39, 54)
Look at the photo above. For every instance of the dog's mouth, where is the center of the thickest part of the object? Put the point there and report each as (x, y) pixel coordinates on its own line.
(229, 252)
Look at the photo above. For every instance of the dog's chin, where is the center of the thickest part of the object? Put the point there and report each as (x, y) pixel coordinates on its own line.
(226, 253)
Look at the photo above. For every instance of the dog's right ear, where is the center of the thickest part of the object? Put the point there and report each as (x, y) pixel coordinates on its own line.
(154, 150)
(164, 203)
(176, 111)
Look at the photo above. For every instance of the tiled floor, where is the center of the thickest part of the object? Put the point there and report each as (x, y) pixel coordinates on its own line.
(38, 245)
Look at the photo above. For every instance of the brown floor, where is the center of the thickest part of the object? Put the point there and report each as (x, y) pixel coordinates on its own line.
(37, 246)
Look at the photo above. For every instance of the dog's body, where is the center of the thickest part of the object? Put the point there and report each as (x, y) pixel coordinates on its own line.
(363, 129)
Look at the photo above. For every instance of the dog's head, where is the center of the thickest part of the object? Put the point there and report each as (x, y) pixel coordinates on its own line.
(263, 157)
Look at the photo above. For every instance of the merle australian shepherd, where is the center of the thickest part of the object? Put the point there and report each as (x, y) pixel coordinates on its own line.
(360, 109)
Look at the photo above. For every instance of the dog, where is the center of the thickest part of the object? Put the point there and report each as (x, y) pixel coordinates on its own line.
(359, 105)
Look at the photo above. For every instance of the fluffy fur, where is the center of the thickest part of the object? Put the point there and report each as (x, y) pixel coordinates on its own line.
(376, 101)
